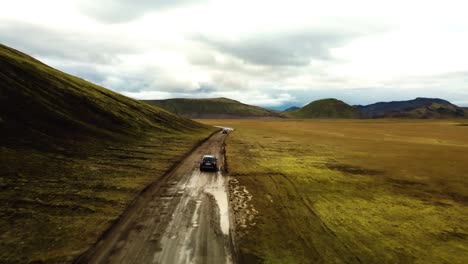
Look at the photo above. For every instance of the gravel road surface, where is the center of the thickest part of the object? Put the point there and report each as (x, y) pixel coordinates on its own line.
(182, 218)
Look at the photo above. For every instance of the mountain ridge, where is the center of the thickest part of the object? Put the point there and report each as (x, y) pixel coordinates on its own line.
(419, 107)
(220, 107)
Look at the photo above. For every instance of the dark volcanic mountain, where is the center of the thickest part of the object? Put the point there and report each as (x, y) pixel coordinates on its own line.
(417, 108)
(326, 108)
(213, 108)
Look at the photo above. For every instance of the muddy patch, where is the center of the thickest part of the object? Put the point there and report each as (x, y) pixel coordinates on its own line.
(241, 204)
(402, 182)
(459, 198)
(452, 235)
(351, 169)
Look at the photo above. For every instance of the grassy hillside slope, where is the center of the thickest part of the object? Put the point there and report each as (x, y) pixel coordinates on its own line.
(349, 191)
(433, 108)
(39, 101)
(213, 108)
(73, 156)
(326, 108)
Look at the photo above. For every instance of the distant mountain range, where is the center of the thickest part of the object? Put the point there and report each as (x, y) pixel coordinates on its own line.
(214, 108)
(419, 108)
(290, 109)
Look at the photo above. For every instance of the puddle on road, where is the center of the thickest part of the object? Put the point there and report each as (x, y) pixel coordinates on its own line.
(213, 184)
(227, 128)
(217, 189)
(196, 213)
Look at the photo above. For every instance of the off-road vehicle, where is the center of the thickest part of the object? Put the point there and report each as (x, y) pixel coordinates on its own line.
(209, 162)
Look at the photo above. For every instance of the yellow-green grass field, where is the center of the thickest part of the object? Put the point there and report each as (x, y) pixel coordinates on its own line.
(368, 191)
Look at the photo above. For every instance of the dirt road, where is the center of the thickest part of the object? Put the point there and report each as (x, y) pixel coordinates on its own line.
(184, 218)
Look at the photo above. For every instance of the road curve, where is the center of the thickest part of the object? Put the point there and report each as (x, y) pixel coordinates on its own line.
(184, 218)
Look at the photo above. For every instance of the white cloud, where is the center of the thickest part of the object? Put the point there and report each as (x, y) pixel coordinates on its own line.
(262, 52)
(118, 11)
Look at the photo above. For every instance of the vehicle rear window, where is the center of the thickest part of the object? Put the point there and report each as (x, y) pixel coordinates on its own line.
(208, 159)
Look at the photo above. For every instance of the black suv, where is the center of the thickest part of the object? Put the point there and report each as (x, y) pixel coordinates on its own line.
(209, 162)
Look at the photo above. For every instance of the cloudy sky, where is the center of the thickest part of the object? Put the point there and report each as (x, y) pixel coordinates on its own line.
(262, 52)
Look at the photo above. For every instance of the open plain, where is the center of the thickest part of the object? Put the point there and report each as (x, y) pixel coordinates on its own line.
(355, 191)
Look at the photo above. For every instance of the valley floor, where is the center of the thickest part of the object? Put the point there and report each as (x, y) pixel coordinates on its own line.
(355, 191)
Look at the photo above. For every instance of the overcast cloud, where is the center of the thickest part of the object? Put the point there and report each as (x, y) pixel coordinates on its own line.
(118, 11)
(293, 49)
(267, 53)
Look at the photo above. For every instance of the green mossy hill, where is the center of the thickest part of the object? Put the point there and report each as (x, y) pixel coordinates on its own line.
(40, 103)
(326, 108)
(214, 108)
